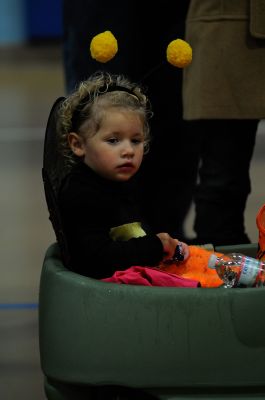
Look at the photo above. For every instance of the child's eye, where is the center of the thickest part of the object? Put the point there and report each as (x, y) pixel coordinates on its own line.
(137, 140)
(112, 140)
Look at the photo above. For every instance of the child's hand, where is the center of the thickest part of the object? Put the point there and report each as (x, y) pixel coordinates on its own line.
(173, 249)
(169, 244)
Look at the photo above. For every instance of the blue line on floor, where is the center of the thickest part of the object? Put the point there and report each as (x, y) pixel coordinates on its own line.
(18, 306)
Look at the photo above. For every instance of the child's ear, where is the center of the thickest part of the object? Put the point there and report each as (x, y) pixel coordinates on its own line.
(76, 144)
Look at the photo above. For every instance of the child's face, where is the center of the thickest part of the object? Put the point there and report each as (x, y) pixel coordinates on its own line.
(116, 151)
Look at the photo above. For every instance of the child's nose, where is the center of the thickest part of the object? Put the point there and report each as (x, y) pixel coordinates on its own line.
(128, 149)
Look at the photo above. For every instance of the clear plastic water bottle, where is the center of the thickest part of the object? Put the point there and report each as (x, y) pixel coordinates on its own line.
(238, 270)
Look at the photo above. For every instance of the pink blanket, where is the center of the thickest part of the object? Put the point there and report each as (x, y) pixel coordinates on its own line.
(147, 276)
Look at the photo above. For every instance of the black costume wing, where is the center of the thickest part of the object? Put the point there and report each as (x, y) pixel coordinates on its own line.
(54, 170)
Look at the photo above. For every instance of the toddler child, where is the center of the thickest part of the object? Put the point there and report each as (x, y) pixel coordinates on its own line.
(103, 131)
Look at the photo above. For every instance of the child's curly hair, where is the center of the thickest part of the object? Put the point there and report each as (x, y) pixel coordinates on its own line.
(83, 110)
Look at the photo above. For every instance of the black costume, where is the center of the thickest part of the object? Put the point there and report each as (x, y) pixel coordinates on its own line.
(94, 211)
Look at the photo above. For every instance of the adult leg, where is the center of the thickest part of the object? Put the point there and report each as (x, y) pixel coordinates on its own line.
(224, 182)
(169, 170)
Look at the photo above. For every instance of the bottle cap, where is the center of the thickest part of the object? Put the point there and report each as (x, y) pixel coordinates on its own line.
(212, 261)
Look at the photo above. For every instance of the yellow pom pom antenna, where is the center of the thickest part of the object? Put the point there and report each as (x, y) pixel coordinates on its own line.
(103, 47)
(179, 53)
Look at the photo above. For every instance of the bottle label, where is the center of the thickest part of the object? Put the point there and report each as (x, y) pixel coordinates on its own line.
(249, 271)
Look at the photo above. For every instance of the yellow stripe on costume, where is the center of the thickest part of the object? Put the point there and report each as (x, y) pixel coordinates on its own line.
(127, 231)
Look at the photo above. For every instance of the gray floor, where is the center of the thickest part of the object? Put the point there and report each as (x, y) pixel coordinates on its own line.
(30, 80)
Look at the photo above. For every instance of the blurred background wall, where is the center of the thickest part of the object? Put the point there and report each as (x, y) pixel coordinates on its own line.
(24, 21)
